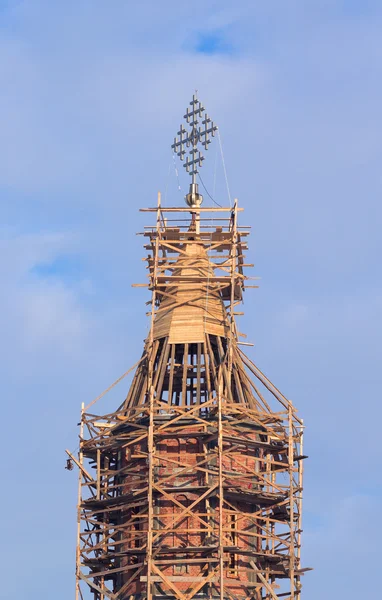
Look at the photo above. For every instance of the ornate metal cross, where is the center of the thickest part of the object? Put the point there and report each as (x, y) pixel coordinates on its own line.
(188, 141)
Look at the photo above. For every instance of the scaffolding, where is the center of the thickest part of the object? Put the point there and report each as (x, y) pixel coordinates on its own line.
(192, 488)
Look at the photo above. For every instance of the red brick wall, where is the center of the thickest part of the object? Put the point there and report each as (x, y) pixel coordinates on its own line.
(189, 451)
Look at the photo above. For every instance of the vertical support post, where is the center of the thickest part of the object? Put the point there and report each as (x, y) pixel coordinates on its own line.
(103, 487)
(98, 473)
(266, 522)
(209, 531)
(233, 254)
(195, 219)
(300, 484)
(291, 502)
(220, 451)
(272, 526)
(150, 391)
(80, 475)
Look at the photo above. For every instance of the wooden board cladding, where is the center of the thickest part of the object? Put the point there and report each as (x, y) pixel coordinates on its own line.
(190, 309)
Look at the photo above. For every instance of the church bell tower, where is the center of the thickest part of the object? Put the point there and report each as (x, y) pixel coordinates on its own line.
(192, 487)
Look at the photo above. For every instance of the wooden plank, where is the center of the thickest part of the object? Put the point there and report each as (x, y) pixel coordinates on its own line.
(187, 210)
(171, 378)
(184, 380)
(177, 578)
(198, 369)
(263, 580)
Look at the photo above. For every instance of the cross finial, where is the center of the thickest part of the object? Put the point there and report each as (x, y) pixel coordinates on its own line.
(188, 141)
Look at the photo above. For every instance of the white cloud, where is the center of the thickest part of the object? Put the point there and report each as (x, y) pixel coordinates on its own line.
(40, 318)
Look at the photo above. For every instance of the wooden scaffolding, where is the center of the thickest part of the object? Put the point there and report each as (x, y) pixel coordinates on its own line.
(192, 488)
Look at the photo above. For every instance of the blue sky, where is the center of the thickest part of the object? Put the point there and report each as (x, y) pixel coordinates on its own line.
(92, 93)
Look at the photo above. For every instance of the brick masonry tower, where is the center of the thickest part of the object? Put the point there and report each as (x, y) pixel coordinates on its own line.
(192, 488)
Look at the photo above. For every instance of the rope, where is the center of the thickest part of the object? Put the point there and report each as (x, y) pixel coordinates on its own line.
(167, 182)
(207, 192)
(176, 172)
(225, 171)
(215, 170)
